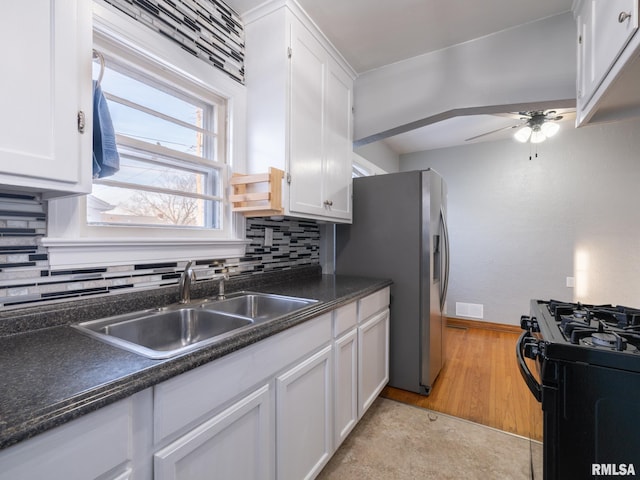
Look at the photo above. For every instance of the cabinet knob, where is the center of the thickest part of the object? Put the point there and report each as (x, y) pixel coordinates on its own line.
(81, 121)
(328, 203)
(622, 16)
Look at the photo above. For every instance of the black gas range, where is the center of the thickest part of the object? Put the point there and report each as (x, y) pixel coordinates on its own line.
(587, 359)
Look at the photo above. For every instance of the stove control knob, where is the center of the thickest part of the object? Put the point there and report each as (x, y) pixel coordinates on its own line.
(531, 349)
(529, 323)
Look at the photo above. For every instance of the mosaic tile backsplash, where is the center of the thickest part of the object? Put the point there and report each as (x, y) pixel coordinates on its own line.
(26, 279)
(208, 29)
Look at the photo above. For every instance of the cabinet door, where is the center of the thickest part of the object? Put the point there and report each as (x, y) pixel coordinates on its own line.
(603, 38)
(610, 35)
(232, 445)
(346, 385)
(82, 449)
(585, 81)
(339, 143)
(373, 359)
(308, 67)
(46, 80)
(304, 418)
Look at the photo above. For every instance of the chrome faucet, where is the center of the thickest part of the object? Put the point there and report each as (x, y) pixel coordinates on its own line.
(188, 276)
(221, 277)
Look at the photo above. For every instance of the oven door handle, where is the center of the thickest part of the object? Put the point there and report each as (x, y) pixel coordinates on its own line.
(531, 381)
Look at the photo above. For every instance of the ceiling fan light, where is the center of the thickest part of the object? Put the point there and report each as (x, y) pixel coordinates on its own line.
(538, 137)
(523, 134)
(550, 128)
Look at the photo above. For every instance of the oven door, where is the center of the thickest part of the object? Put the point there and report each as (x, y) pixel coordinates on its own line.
(529, 346)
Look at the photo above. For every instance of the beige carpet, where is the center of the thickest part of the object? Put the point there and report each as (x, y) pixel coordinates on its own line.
(398, 441)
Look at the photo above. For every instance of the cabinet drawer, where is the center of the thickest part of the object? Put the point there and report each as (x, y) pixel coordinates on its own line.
(183, 400)
(373, 303)
(85, 448)
(345, 318)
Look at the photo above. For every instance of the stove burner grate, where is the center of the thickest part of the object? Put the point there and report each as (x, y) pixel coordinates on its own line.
(608, 340)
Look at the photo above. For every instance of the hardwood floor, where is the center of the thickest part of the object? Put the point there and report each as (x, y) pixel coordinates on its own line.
(480, 381)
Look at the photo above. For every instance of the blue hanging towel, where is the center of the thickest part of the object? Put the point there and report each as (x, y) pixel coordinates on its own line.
(106, 160)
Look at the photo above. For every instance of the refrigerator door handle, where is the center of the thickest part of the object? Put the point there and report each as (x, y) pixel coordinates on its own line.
(444, 285)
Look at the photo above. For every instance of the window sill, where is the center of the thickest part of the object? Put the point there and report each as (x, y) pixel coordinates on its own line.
(67, 253)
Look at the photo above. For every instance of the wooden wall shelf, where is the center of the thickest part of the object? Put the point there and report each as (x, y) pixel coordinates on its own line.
(258, 195)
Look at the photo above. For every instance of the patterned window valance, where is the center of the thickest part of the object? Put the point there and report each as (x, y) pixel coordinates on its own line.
(208, 29)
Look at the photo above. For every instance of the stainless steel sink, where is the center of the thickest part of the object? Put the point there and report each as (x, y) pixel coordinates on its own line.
(170, 331)
(164, 334)
(258, 306)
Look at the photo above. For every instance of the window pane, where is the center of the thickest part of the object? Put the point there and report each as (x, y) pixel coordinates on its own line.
(146, 95)
(152, 174)
(149, 128)
(131, 207)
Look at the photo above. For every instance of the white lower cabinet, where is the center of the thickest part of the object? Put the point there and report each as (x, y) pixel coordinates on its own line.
(303, 418)
(235, 444)
(361, 359)
(373, 359)
(96, 445)
(277, 409)
(346, 385)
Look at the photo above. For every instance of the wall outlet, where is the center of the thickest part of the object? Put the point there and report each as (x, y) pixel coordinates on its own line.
(571, 282)
(268, 237)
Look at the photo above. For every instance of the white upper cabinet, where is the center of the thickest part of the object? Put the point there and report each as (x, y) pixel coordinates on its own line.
(300, 97)
(46, 82)
(608, 66)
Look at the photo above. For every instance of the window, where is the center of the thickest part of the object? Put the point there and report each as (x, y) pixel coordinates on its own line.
(180, 126)
(172, 155)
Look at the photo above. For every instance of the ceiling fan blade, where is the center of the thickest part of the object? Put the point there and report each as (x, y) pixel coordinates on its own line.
(493, 131)
(514, 115)
(566, 115)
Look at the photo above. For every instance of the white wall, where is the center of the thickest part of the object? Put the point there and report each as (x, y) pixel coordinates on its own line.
(530, 63)
(518, 228)
(381, 155)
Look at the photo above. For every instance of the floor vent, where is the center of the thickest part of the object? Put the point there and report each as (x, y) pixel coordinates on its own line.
(471, 310)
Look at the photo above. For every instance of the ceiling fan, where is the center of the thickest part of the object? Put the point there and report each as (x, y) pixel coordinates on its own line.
(534, 126)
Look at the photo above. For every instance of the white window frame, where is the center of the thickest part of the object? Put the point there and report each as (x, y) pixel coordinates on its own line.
(72, 243)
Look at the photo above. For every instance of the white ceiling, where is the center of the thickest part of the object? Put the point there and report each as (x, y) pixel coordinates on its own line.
(374, 33)
(455, 131)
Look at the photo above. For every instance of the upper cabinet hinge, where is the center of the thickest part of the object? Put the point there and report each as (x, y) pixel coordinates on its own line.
(289, 52)
(81, 121)
(289, 178)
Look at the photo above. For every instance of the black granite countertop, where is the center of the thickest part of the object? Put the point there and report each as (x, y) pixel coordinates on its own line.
(54, 374)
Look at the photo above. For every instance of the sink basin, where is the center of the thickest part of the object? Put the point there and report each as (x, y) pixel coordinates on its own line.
(164, 333)
(258, 306)
(167, 332)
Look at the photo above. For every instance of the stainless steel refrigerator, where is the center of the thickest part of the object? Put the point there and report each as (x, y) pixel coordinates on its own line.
(399, 231)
